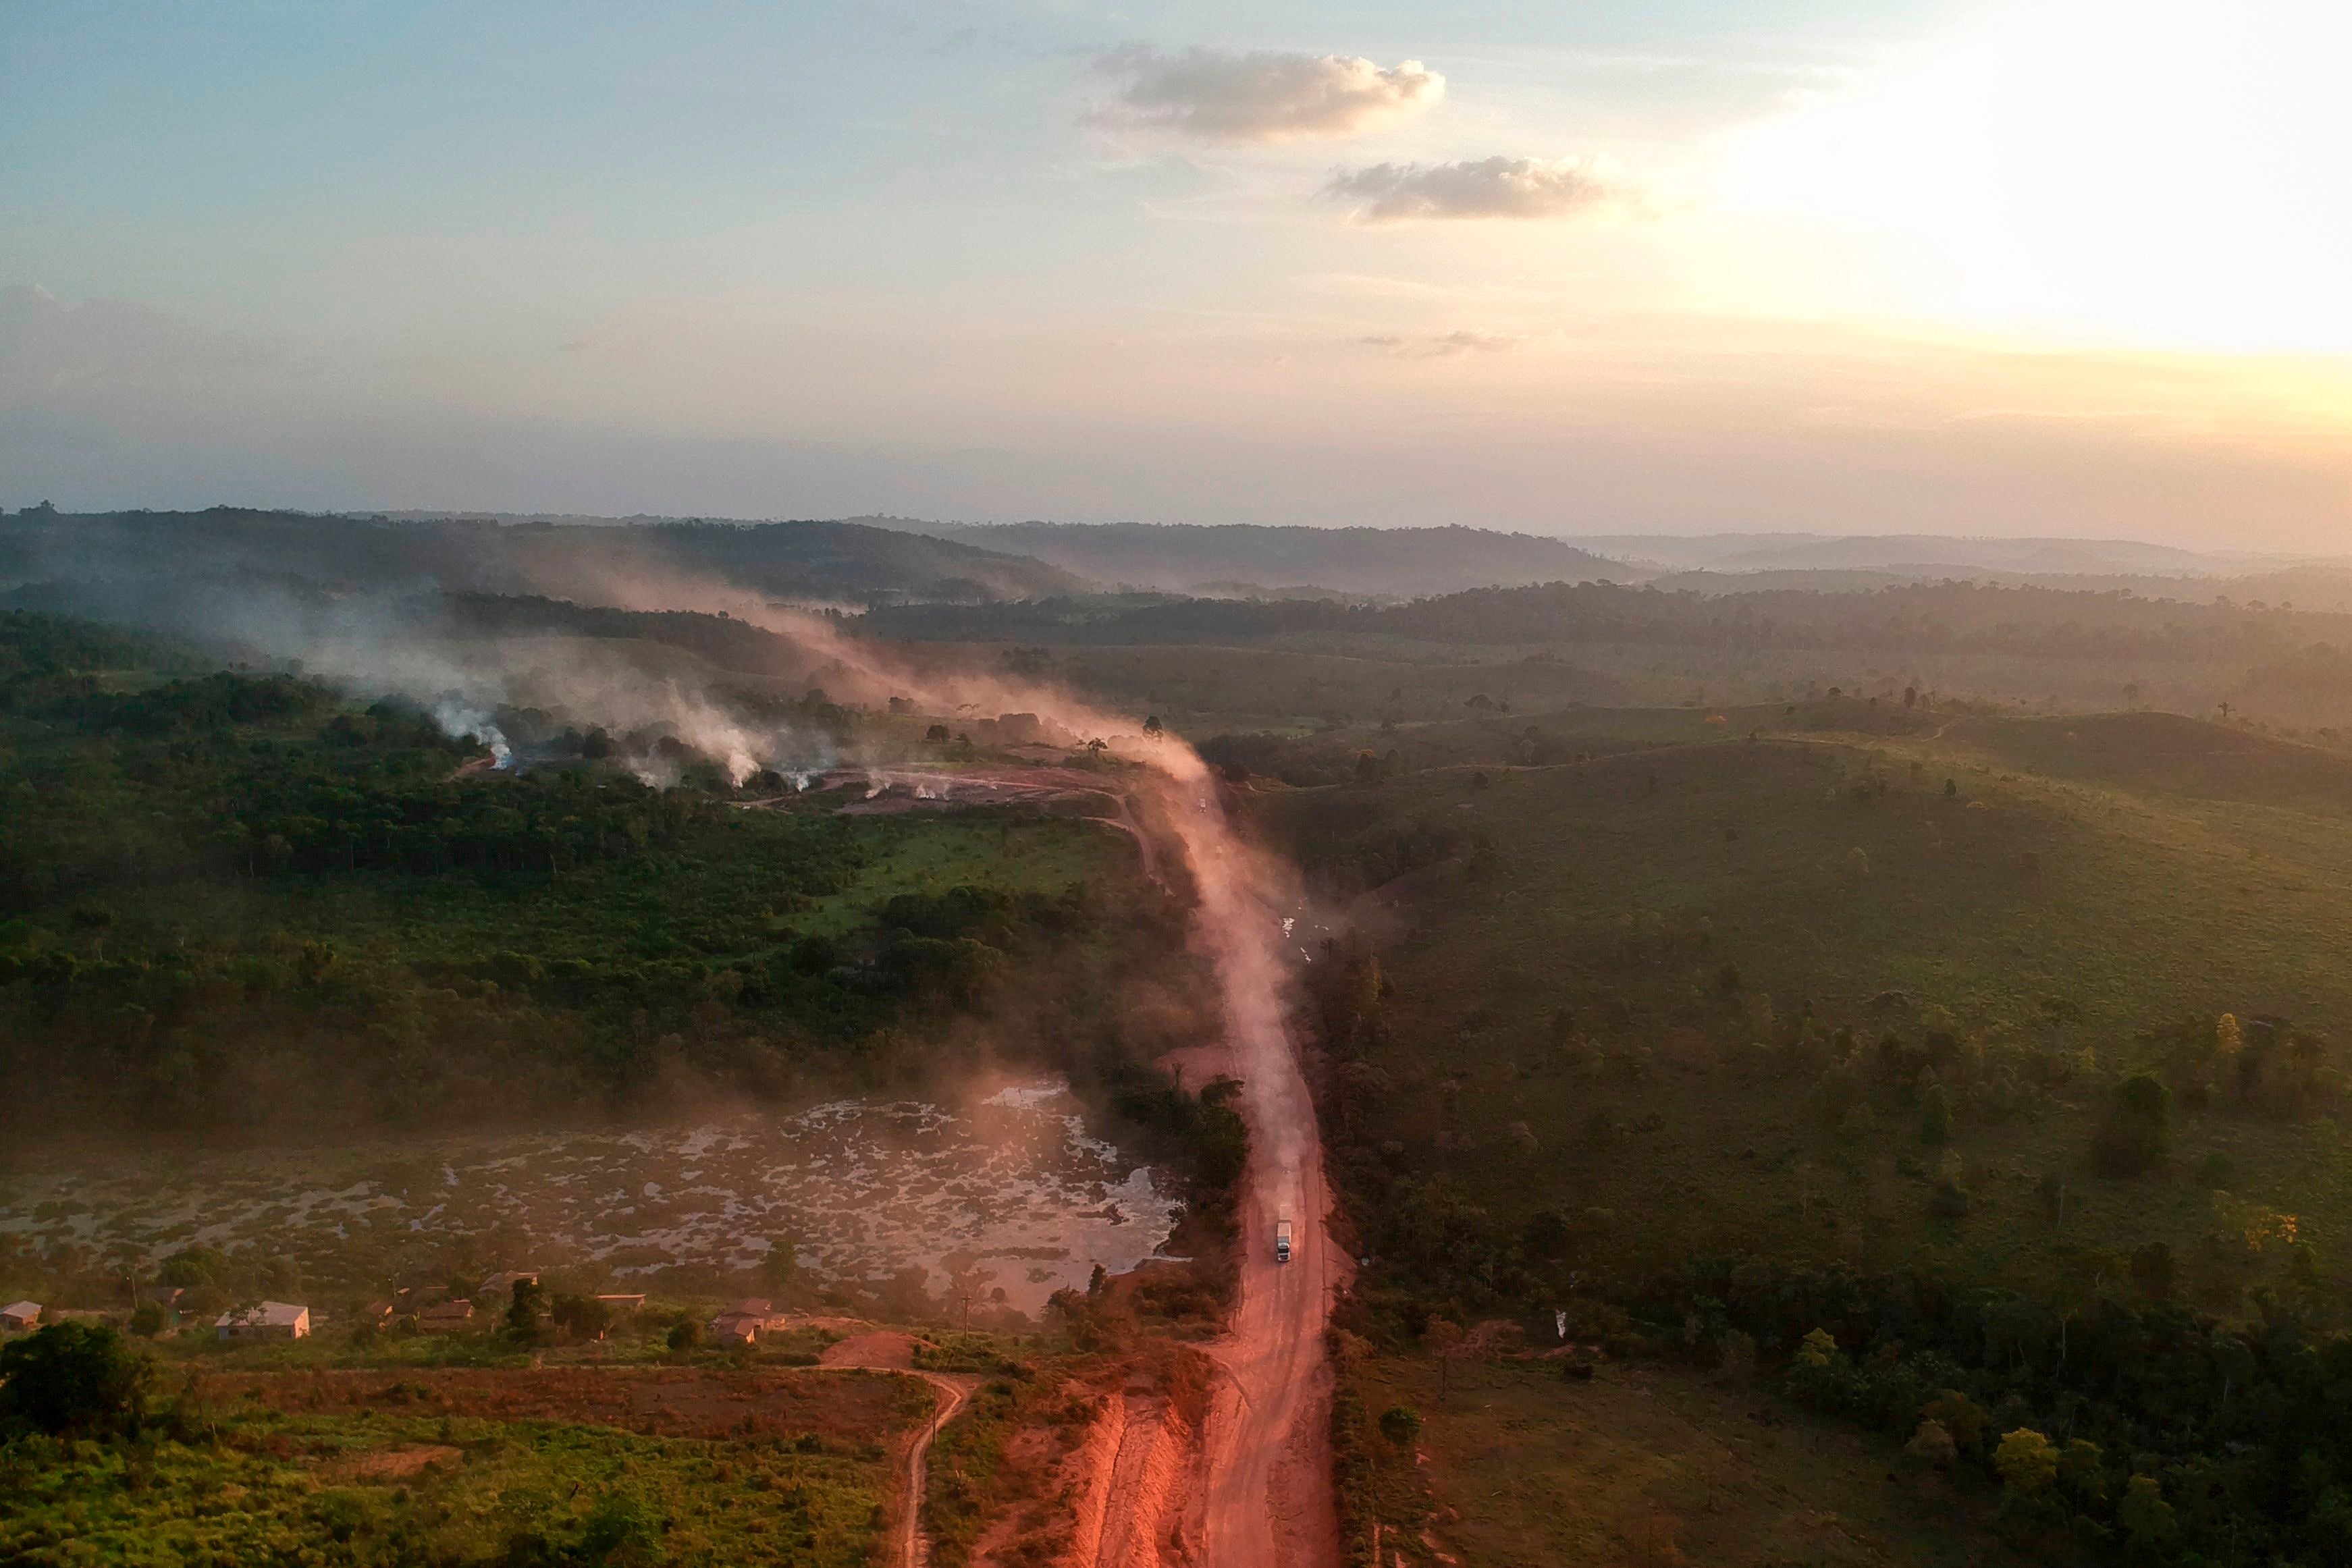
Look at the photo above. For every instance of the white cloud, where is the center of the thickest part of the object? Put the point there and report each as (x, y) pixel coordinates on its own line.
(1487, 188)
(1446, 345)
(1220, 95)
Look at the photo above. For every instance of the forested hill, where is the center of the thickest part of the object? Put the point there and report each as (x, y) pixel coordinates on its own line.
(1910, 555)
(237, 899)
(1234, 558)
(1937, 618)
(848, 563)
(720, 641)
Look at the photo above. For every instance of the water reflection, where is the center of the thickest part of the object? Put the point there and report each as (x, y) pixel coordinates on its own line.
(860, 1189)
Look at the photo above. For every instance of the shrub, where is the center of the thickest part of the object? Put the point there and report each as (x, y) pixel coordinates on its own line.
(619, 1532)
(524, 1319)
(581, 1317)
(2145, 1517)
(2138, 1132)
(194, 1267)
(73, 1379)
(1931, 1443)
(1935, 1115)
(1547, 1235)
(1817, 1375)
(1401, 1424)
(2027, 1463)
(1962, 1418)
(2081, 1470)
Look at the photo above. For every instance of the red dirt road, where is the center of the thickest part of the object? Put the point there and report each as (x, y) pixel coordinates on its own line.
(1265, 1499)
(1266, 1449)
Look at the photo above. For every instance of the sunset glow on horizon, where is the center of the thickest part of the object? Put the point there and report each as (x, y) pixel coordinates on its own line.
(1780, 263)
(2147, 175)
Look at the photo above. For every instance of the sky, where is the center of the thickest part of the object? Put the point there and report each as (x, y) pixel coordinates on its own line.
(1625, 266)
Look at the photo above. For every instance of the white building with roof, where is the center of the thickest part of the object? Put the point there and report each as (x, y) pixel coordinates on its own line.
(265, 1320)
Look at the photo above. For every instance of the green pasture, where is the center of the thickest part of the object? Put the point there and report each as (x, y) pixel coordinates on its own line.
(347, 1488)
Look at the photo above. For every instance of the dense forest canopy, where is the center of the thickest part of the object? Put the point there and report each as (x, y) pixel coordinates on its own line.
(237, 898)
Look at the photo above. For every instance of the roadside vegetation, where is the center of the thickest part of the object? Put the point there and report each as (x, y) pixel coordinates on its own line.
(131, 1462)
(532, 1439)
(1642, 1464)
(1995, 1111)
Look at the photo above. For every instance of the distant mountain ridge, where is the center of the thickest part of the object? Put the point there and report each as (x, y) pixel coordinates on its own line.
(1922, 556)
(1229, 559)
(853, 563)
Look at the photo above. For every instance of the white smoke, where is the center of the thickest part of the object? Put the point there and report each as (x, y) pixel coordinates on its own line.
(377, 646)
(460, 720)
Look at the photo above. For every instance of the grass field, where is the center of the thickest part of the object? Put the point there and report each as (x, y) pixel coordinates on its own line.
(922, 852)
(1645, 1466)
(461, 1468)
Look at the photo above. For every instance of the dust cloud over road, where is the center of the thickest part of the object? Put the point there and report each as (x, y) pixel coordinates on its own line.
(1266, 1457)
(1263, 1472)
(1265, 1487)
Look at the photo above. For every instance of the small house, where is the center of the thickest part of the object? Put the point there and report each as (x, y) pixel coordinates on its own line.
(446, 1314)
(502, 1283)
(18, 1316)
(737, 1328)
(624, 1303)
(265, 1320)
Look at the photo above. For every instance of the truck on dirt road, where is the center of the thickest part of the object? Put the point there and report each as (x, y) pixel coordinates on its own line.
(1282, 1241)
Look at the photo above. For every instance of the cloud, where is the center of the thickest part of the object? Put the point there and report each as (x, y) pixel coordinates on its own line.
(1487, 188)
(52, 350)
(1220, 95)
(1446, 345)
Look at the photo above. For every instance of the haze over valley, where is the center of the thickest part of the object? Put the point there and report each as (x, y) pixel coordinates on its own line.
(1017, 787)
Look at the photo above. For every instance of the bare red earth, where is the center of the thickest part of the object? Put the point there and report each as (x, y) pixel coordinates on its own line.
(1266, 1454)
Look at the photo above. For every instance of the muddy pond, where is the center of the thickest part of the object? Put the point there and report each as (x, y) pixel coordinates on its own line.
(860, 1189)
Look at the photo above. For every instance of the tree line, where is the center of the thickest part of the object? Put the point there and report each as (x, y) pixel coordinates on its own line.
(1946, 618)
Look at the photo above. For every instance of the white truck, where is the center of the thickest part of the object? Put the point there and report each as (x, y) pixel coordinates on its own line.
(1282, 1241)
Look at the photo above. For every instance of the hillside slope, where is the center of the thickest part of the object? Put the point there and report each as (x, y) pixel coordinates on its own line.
(812, 560)
(1623, 989)
(1192, 557)
(2169, 753)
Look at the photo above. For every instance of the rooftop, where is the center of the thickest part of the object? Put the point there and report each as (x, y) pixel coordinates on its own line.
(264, 1314)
